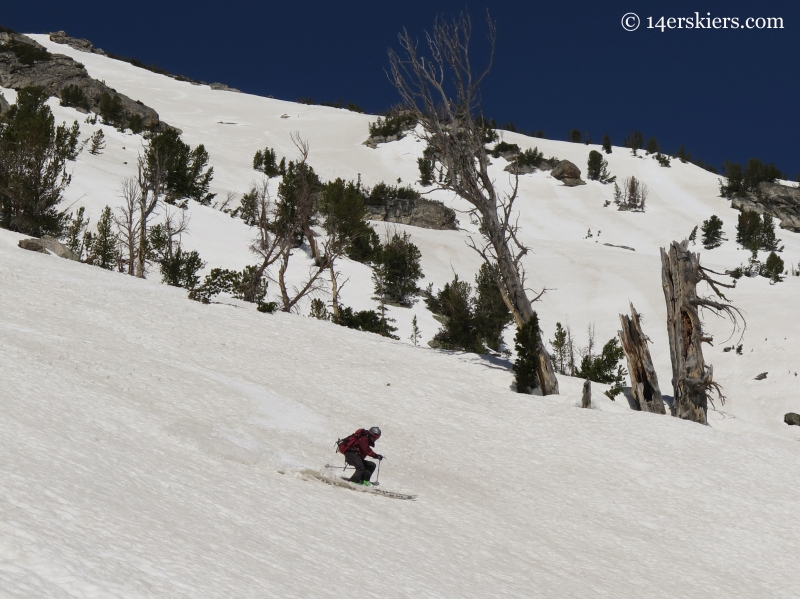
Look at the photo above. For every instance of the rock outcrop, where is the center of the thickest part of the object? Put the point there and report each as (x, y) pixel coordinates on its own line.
(792, 419)
(428, 214)
(569, 174)
(61, 37)
(781, 201)
(4, 106)
(47, 244)
(224, 88)
(24, 63)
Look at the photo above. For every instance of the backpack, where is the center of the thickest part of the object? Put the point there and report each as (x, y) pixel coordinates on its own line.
(344, 445)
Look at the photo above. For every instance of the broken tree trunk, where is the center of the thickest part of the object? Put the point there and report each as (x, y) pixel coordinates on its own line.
(644, 382)
(691, 378)
(586, 398)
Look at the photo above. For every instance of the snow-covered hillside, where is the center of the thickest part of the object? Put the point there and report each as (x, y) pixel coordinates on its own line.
(155, 447)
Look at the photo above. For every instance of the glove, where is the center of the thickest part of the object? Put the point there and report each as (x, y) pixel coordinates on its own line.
(378, 457)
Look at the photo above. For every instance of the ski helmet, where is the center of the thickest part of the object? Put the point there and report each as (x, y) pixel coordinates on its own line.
(375, 431)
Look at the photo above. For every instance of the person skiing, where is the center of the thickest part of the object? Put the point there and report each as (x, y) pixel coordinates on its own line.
(356, 448)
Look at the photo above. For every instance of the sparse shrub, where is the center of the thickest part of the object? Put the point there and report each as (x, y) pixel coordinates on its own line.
(365, 320)
(180, 269)
(712, 232)
(663, 160)
(632, 195)
(319, 310)
(504, 148)
(27, 54)
(72, 95)
(395, 124)
(247, 285)
(532, 158)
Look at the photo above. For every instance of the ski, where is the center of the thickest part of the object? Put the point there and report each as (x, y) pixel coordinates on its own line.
(309, 474)
(372, 484)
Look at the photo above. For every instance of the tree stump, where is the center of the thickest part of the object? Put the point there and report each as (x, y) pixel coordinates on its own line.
(691, 378)
(644, 382)
(586, 399)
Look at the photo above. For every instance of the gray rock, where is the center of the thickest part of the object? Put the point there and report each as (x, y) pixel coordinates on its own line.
(761, 377)
(424, 213)
(3, 104)
(46, 245)
(55, 74)
(373, 141)
(569, 182)
(566, 170)
(224, 88)
(525, 169)
(792, 419)
(61, 37)
(781, 201)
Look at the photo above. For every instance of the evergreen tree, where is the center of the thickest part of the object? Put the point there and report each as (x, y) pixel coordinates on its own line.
(605, 368)
(185, 168)
(652, 146)
(560, 349)
(398, 264)
(693, 235)
(773, 268)
(319, 310)
(180, 270)
(416, 334)
(454, 305)
(75, 236)
(712, 232)
(597, 168)
(634, 141)
(33, 157)
(72, 95)
(98, 143)
(342, 206)
(365, 320)
(607, 144)
(575, 136)
(103, 250)
(525, 367)
(491, 314)
(266, 162)
(735, 180)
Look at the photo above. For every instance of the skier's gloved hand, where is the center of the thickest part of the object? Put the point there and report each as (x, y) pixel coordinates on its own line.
(379, 457)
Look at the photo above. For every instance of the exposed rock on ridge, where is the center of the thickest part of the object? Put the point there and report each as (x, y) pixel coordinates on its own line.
(56, 72)
(781, 201)
(428, 214)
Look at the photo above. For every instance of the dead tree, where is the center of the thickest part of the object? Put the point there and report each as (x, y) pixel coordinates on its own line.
(644, 382)
(691, 378)
(443, 94)
(127, 223)
(586, 398)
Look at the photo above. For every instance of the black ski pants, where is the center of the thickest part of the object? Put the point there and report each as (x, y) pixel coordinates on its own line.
(364, 469)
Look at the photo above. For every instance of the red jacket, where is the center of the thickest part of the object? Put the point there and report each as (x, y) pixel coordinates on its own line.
(362, 445)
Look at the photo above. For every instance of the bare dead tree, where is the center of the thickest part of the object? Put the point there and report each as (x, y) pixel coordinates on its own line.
(586, 396)
(305, 205)
(127, 221)
(151, 177)
(644, 382)
(691, 378)
(443, 94)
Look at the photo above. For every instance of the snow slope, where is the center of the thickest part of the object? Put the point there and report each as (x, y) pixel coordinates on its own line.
(142, 434)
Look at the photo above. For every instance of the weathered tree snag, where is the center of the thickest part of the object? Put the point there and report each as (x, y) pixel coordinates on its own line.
(586, 399)
(644, 382)
(691, 378)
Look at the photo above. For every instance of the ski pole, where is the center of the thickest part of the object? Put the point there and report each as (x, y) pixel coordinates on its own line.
(378, 475)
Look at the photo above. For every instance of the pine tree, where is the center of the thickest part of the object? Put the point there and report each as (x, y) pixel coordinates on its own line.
(416, 334)
(773, 268)
(75, 232)
(652, 146)
(103, 250)
(490, 312)
(398, 264)
(525, 342)
(712, 232)
(597, 168)
(605, 367)
(33, 165)
(425, 165)
(634, 141)
(575, 136)
(607, 144)
(559, 345)
(319, 310)
(693, 235)
(98, 143)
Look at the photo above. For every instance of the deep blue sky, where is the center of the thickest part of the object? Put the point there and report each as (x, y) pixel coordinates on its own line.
(724, 94)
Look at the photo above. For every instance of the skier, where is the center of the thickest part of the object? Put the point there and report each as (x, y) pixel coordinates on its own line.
(356, 448)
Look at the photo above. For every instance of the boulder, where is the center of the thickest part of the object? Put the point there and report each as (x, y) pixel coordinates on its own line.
(48, 244)
(569, 174)
(4, 106)
(781, 201)
(427, 214)
(374, 140)
(792, 419)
